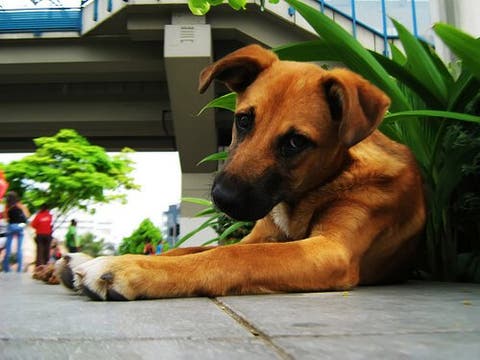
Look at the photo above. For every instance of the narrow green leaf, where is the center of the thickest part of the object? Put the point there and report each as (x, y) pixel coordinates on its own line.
(354, 55)
(198, 201)
(207, 211)
(432, 113)
(203, 226)
(232, 228)
(222, 155)
(421, 65)
(463, 45)
(227, 101)
(209, 242)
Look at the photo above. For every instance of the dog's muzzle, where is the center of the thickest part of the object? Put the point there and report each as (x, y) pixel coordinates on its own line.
(246, 201)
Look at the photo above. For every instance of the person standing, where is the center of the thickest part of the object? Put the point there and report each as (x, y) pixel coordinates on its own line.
(148, 248)
(42, 223)
(160, 247)
(16, 214)
(72, 237)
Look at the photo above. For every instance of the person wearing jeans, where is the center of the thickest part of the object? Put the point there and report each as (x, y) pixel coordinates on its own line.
(16, 214)
(14, 230)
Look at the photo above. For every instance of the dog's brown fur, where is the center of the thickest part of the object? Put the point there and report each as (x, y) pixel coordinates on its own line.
(338, 204)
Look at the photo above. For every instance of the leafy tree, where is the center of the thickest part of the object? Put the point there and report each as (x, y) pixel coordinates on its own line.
(94, 247)
(70, 174)
(134, 243)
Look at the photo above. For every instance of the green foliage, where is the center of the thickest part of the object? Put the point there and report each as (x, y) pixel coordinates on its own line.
(435, 111)
(201, 7)
(93, 247)
(229, 230)
(69, 174)
(134, 243)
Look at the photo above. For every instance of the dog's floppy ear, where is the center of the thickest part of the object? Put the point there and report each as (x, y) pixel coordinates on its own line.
(356, 104)
(238, 69)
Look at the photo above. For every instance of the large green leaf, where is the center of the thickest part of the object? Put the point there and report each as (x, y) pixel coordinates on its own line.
(198, 7)
(353, 54)
(442, 68)
(404, 75)
(463, 45)
(463, 91)
(315, 50)
(421, 65)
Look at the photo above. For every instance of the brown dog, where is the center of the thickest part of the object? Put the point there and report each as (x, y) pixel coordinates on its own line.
(338, 204)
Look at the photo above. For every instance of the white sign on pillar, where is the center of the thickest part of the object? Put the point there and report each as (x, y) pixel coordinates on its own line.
(188, 40)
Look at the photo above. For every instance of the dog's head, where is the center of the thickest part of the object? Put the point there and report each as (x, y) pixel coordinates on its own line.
(294, 123)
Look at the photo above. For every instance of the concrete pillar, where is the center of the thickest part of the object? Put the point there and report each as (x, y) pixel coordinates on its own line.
(188, 49)
(463, 14)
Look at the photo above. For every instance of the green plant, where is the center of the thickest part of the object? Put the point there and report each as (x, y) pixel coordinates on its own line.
(134, 243)
(93, 247)
(429, 113)
(229, 231)
(201, 7)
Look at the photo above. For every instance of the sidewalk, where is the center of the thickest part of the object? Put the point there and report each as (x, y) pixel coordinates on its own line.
(411, 321)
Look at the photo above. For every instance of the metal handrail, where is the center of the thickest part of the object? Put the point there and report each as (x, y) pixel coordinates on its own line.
(40, 20)
(383, 33)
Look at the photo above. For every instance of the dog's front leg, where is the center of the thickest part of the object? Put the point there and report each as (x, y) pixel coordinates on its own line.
(307, 265)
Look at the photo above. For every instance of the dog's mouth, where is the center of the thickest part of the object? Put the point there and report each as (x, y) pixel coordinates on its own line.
(246, 201)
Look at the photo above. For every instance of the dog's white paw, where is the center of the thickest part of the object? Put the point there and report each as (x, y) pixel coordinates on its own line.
(110, 278)
(64, 267)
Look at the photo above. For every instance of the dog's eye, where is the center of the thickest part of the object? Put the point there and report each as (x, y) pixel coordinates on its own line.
(294, 144)
(244, 122)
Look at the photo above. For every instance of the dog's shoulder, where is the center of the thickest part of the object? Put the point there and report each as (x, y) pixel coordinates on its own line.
(377, 166)
(381, 157)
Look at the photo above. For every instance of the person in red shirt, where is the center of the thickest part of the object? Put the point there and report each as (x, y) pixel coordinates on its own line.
(42, 223)
(148, 248)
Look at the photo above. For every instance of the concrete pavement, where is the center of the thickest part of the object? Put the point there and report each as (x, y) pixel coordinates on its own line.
(418, 320)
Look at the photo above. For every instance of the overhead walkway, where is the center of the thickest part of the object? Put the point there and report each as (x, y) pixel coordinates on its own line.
(92, 13)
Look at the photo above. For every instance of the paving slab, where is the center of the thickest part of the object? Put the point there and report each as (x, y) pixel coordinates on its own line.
(417, 320)
(40, 321)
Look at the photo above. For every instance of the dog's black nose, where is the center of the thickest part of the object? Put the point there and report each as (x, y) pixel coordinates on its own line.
(242, 200)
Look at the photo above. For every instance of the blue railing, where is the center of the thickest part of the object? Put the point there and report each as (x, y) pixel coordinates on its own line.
(38, 21)
(372, 16)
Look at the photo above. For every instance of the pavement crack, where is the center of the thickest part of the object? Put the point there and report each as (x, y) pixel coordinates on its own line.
(267, 340)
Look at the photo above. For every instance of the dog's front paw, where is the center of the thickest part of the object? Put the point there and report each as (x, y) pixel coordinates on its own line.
(64, 268)
(114, 277)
